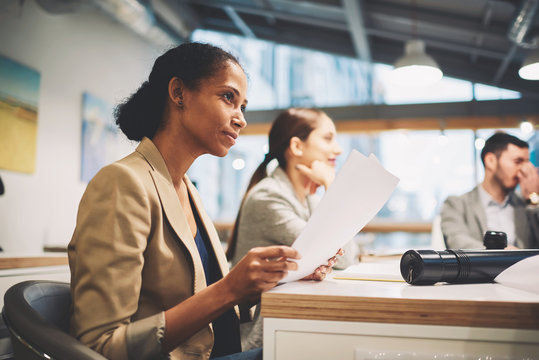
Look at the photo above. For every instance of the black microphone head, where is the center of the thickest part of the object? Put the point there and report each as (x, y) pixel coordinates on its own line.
(413, 266)
(495, 240)
(427, 267)
(1, 187)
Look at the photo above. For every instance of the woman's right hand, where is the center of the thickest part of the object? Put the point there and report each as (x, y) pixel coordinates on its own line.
(259, 270)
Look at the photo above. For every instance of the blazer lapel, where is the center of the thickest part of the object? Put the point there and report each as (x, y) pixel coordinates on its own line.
(477, 207)
(172, 208)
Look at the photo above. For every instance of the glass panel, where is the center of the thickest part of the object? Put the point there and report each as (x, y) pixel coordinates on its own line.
(282, 76)
(487, 92)
(430, 165)
(222, 186)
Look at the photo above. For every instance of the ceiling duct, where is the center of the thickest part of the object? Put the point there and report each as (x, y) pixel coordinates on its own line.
(517, 32)
(138, 18)
(64, 6)
(522, 23)
(130, 13)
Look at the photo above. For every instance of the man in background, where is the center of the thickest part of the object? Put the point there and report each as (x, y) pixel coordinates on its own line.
(494, 205)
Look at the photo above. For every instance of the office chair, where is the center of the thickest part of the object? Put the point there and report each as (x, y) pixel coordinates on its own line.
(37, 316)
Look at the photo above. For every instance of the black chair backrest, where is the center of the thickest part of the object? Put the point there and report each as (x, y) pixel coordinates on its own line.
(37, 315)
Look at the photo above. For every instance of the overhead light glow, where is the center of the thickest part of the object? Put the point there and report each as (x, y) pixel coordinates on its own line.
(238, 164)
(530, 67)
(479, 143)
(416, 68)
(526, 127)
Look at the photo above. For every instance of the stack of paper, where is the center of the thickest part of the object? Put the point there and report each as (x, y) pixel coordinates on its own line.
(359, 191)
(522, 275)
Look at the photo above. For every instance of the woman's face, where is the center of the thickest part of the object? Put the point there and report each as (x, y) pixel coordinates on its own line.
(213, 113)
(321, 144)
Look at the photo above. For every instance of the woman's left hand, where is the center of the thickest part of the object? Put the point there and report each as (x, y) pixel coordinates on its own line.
(320, 272)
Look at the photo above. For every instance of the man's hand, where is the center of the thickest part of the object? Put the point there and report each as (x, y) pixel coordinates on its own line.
(528, 179)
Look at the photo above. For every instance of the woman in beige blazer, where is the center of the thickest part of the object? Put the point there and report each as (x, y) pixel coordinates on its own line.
(149, 278)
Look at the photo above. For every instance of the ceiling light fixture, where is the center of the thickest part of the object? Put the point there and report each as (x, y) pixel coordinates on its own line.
(530, 67)
(416, 68)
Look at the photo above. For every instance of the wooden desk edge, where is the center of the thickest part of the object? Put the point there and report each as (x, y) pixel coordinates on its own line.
(32, 261)
(490, 314)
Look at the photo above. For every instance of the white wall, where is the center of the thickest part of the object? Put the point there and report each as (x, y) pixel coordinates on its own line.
(74, 53)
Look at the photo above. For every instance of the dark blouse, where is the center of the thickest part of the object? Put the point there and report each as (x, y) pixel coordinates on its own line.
(225, 327)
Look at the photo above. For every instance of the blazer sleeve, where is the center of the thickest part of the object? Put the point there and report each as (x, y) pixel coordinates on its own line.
(114, 223)
(458, 234)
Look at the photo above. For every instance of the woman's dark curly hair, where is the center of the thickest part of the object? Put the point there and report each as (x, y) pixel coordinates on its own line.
(141, 114)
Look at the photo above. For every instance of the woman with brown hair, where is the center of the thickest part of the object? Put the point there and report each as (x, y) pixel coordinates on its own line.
(276, 207)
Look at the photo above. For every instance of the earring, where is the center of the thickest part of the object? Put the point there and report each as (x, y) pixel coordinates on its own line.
(180, 101)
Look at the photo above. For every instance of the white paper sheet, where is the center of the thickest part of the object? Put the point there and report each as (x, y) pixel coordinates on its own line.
(359, 191)
(375, 271)
(522, 275)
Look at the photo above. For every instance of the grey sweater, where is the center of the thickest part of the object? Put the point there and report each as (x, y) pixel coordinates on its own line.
(273, 215)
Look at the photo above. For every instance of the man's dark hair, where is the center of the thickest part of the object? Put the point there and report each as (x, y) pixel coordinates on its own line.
(498, 142)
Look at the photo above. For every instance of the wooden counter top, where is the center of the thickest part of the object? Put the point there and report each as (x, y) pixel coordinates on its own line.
(474, 305)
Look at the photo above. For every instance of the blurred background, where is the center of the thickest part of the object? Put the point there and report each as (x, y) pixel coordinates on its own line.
(347, 57)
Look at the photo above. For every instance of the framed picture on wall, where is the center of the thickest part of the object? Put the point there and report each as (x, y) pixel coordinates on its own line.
(19, 97)
(101, 143)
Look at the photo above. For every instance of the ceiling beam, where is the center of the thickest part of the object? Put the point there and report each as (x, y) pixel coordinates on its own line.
(487, 15)
(465, 27)
(343, 24)
(462, 48)
(503, 66)
(237, 20)
(494, 108)
(354, 17)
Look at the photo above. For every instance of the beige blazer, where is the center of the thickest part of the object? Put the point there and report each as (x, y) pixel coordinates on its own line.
(132, 256)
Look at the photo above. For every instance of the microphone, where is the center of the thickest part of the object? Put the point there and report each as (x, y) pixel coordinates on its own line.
(1, 187)
(495, 240)
(427, 267)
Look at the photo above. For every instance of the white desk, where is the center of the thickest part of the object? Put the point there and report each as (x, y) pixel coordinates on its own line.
(350, 319)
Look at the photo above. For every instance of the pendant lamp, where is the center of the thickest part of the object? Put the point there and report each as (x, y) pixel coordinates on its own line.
(416, 68)
(530, 67)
